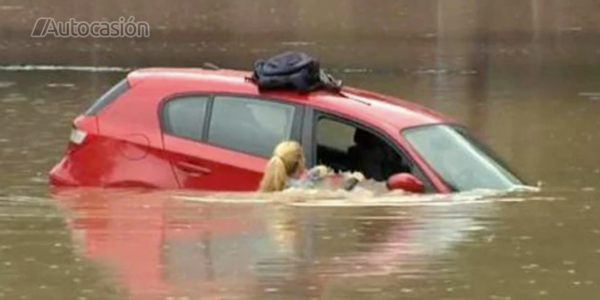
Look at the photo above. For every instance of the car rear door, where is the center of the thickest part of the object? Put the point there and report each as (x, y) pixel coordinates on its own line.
(223, 142)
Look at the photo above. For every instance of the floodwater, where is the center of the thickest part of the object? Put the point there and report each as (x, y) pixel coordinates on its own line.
(536, 103)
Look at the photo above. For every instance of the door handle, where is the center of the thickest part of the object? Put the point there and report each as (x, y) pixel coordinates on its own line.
(193, 168)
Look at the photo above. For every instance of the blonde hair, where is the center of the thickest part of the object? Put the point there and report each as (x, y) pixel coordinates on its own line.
(287, 158)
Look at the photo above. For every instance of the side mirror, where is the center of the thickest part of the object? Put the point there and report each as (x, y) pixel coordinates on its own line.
(406, 182)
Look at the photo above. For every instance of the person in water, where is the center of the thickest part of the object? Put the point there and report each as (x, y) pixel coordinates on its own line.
(287, 169)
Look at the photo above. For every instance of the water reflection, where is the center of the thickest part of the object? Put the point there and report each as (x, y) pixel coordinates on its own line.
(155, 245)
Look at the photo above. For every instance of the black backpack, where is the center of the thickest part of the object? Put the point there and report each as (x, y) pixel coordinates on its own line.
(293, 71)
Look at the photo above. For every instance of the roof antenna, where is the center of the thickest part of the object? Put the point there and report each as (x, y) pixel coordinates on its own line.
(210, 66)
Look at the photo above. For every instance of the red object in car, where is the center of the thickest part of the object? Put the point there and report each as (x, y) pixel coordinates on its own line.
(405, 182)
(214, 130)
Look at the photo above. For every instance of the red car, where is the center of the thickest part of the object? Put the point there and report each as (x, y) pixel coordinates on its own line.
(214, 130)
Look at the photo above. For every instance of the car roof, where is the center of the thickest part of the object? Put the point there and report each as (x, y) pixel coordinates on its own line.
(351, 102)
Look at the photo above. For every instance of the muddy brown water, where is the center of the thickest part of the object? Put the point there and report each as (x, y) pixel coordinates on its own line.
(536, 105)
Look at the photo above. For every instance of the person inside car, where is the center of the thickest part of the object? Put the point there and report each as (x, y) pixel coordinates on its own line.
(287, 169)
(374, 158)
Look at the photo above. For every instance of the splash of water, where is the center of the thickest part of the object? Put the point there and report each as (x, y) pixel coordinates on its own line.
(364, 196)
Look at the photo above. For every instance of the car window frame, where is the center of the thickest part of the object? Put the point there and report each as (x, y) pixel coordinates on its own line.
(309, 140)
(297, 119)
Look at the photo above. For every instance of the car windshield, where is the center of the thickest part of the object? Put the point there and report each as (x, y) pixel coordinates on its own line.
(459, 159)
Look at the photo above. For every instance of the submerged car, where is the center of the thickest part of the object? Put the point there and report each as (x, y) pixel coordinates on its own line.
(214, 130)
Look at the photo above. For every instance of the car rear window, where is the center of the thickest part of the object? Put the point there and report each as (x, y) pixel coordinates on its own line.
(108, 97)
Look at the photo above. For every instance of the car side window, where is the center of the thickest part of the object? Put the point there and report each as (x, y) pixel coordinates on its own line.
(250, 125)
(184, 116)
(334, 135)
(345, 146)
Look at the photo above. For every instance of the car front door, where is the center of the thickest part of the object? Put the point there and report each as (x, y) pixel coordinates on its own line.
(223, 142)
